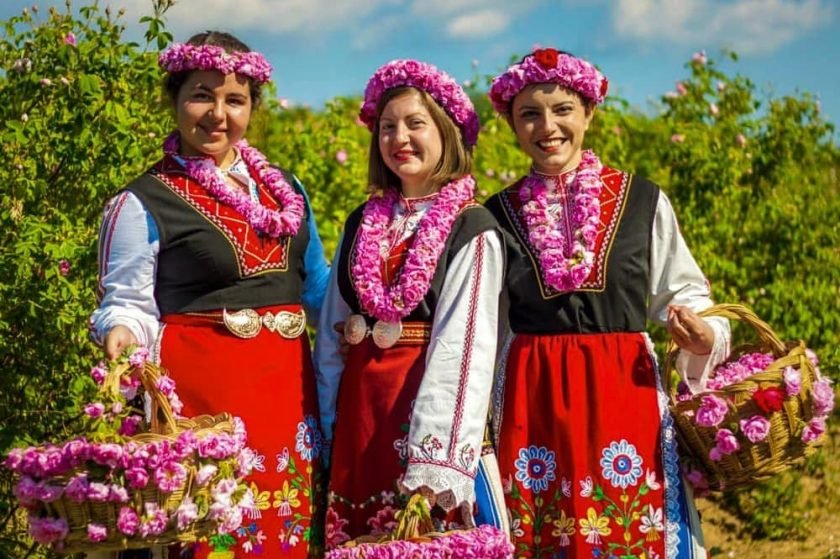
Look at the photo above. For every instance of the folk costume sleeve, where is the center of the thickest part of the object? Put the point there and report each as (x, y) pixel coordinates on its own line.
(449, 415)
(128, 248)
(329, 363)
(676, 279)
(314, 263)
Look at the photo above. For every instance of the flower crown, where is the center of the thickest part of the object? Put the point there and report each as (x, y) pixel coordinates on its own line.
(181, 56)
(548, 66)
(443, 89)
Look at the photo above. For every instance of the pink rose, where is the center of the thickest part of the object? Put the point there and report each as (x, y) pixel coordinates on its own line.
(712, 411)
(793, 381)
(755, 428)
(814, 430)
(94, 409)
(823, 396)
(128, 521)
(96, 532)
(725, 443)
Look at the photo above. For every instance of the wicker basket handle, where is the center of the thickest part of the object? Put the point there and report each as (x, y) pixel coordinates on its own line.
(731, 311)
(414, 520)
(163, 420)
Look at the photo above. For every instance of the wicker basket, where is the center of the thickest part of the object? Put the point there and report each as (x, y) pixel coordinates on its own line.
(164, 426)
(783, 446)
(414, 536)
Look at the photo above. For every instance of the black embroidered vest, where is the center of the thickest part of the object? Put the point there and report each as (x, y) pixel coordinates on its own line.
(613, 298)
(210, 257)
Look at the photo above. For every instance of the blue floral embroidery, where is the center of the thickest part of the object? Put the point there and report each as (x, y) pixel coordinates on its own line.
(535, 468)
(620, 464)
(308, 438)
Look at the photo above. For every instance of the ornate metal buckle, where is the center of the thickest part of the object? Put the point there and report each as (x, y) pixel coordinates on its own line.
(247, 323)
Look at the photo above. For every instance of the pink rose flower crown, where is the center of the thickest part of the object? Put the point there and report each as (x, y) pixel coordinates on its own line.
(444, 90)
(548, 66)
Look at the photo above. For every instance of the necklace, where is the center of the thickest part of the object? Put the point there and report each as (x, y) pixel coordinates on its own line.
(565, 265)
(274, 223)
(394, 302)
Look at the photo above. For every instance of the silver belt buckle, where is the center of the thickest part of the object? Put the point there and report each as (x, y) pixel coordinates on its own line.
(247, 323)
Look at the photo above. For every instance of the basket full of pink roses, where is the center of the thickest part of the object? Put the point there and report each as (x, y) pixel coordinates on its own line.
(763, 410)
(132, 483)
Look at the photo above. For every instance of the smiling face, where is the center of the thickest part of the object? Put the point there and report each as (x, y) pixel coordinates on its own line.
(212, 112)
(550, 122)
(410, 142)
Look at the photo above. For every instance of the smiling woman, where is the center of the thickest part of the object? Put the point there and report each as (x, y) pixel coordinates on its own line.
(212, 260)
(593, 253)
(416, 286)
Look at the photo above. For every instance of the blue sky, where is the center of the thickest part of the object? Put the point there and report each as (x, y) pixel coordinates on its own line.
(324, 48)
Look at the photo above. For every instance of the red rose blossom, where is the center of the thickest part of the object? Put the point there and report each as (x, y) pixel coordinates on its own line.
(547, 58)
(769, 399)
(604, 86)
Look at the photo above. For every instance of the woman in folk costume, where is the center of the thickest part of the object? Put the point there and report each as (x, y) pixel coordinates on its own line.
(209, 259)
(416, 282)
(587, 449)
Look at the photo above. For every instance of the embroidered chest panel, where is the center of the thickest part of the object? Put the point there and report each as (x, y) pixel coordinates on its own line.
(613, 200)
(255, 253)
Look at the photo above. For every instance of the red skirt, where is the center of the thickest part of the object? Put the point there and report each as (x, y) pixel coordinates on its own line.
(580, 448)
(268, 381)
(370, 452)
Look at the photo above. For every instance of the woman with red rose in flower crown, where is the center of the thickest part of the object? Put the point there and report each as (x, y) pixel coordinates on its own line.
(209, 259)
(416, 282)
(587, 449)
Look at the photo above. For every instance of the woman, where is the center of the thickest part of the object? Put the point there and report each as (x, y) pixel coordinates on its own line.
(209, 259)
(586, 446)
(416, 283)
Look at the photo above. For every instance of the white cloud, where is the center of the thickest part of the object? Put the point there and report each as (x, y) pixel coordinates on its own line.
(747, 26)
(484, 23)
(279, 16)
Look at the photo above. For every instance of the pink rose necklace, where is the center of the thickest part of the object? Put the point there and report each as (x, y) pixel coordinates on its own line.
(565, 265)
(274, 223)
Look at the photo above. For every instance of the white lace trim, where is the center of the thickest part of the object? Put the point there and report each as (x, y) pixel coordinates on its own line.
(451, 488)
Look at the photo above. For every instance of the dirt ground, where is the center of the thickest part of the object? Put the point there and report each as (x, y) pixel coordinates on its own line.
(820, 498)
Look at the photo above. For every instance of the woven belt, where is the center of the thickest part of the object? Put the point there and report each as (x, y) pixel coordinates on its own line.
(248, 323)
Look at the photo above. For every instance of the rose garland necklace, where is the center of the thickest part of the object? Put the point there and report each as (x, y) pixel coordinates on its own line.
(565, 266)
(274, 223)
(393, 303)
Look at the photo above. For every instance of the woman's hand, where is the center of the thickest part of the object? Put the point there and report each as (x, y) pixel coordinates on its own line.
(689, 331)
(116, 340)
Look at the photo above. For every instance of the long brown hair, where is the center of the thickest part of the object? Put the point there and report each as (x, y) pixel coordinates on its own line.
(455, 160)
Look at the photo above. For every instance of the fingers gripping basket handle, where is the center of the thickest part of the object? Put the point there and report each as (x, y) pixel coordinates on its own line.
(733, 312)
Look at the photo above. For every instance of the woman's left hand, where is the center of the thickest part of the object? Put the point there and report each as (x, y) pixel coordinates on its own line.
(689, 331)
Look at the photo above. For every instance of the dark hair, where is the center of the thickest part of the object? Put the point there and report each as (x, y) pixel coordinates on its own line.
(172, 82)
(455, 160)
(588, 104)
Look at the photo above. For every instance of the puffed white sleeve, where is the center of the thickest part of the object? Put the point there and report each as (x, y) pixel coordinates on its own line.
(676, 279)
(450, 411)
(329, 364)
(128, 249)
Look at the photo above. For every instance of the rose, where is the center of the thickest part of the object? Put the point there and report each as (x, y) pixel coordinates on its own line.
(823, 396)
(128, 521)
(96, 532)
(793, 381)
(755, 428)
(769, 399)
(547, 58)
(725, 443)
(814, 430)
(712, 411)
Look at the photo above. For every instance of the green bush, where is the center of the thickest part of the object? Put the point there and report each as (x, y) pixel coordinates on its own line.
(754, 183)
